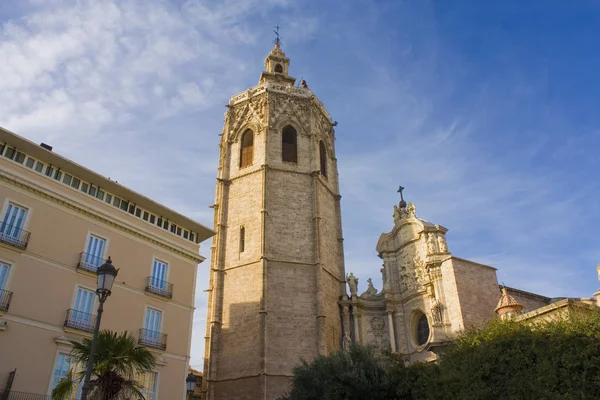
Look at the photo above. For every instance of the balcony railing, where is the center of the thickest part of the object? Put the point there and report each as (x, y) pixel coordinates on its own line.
(14, 236)
(12, 395)
(153, 339)
(89, 262)
(80, 320)
(159, 287)
(5, 297)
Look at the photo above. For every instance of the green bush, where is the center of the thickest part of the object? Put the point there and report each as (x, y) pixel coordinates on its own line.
(503, 360)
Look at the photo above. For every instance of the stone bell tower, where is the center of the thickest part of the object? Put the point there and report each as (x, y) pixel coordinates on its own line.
(277, 268)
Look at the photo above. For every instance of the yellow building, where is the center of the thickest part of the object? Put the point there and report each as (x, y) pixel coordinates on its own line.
(58, 222)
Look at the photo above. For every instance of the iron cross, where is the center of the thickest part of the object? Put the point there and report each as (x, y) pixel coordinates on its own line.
(400, 189)
(276, 31)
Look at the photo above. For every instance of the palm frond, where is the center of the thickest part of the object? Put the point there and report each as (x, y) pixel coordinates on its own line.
(64, 387)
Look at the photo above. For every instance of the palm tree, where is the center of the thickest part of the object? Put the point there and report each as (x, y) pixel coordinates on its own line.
(118, 359)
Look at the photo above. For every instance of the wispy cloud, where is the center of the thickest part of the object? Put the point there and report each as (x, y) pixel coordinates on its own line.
(135, 90)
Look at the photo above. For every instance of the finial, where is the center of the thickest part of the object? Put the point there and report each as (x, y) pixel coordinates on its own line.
(277, 40)
(402, 202)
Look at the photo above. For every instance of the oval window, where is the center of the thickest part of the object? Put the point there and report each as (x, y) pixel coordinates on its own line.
(422, 330)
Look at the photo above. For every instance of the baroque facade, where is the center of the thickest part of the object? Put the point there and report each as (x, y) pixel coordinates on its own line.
(277, 270)
(430, 295)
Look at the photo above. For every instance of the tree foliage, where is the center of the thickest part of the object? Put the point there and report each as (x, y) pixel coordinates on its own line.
(117, 360)
(559, 359)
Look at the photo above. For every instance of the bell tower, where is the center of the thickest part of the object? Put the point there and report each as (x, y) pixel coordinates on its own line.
(277, 267)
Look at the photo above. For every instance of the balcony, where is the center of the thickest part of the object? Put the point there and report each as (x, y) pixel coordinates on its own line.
(80, 321)
(5, 297)
(14, 236)
(153, 339)
(89, 262)
(158, 287)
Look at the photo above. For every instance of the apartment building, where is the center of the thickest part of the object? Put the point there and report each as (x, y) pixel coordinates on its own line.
(58, 223)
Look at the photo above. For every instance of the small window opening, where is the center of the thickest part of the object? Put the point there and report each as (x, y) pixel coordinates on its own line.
(289, 148)
(323, 158)
(279, 69)
(242, 239)
(247, 151)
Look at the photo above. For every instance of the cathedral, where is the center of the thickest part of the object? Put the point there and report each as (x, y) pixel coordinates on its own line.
(278, 289)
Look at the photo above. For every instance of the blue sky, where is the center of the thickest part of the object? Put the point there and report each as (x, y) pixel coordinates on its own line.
(485, 111)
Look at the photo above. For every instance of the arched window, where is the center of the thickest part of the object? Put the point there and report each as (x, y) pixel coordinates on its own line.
(323, 158)
(289, 148)
(247, 150)
(279, 68)
(242, 239)
(422, 330)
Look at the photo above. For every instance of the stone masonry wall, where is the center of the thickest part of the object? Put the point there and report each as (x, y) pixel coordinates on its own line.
(477, 291)
(291, 322)
(529, 301)
(289, 229)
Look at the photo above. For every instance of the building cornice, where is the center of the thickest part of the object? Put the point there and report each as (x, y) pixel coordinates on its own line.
(107, 221)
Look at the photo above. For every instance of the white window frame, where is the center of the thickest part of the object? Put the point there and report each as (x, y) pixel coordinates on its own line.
(162, 260)
(156, 386)
(103, 237)
(8, 201)
(162, 317)
(66, 351)
(74, 297)
(11, 271)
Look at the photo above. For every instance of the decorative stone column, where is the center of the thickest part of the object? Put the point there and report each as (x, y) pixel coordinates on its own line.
(391, 330)
(439, 302)
(356, 318)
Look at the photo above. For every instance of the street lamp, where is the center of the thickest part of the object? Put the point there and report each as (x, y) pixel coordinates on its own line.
(190, 383)
(106, 277)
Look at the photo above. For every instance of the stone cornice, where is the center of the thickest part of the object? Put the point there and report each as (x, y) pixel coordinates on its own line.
(110, 222)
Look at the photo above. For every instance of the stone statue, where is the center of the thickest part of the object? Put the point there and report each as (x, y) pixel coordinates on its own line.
(352, 283)
(430, 244)
(442, 244)
(397, 214)
(436, 312)
(371, 291)
(346, 341)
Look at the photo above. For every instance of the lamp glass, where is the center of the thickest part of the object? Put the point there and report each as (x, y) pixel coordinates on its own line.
(190, 382)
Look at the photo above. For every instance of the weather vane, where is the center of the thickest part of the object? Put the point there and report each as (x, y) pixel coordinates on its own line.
(277, 40)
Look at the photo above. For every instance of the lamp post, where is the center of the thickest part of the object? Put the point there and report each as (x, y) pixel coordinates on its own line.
(106, 276)
(190, 383)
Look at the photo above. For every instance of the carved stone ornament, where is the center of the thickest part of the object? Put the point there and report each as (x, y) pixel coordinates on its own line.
(377, 324)
(421, 272)
(442, 243)
(254, 110)
(431, 244)
(411, 209)
(398, 214)
(322, 124)
(407, 276)
(290, 106)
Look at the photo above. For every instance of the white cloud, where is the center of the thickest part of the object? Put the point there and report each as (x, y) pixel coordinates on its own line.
(135, 90)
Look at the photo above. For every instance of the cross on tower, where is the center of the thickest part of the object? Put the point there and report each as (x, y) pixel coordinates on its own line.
(402, 202)
(277, 40)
